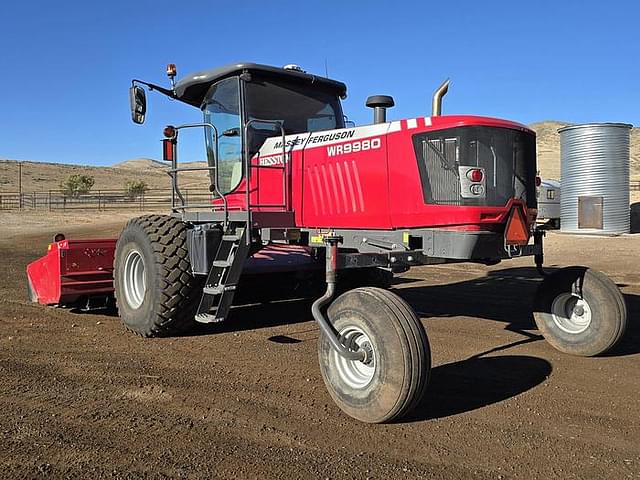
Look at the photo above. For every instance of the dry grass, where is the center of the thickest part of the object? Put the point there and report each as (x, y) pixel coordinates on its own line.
(41, 177)
(21, 225)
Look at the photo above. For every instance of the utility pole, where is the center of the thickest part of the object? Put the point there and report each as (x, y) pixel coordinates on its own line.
(20, 185)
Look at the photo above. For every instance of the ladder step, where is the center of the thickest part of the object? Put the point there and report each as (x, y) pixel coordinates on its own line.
(208, 318)
(221, 263)
(218, 289)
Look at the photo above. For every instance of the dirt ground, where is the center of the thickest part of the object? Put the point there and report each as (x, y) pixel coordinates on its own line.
(82, 398)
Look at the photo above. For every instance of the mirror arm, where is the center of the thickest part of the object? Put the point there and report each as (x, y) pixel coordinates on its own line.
(165, 91)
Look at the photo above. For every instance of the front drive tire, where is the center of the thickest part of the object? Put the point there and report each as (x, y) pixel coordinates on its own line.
(394, 381)
(155, 291)
(580, 311)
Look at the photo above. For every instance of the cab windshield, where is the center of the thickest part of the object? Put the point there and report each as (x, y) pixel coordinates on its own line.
(298, 107)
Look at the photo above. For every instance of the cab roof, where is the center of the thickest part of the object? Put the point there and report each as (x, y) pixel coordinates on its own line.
(193, 88)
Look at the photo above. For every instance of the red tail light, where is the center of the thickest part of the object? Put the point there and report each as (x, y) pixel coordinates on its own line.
(475, 175)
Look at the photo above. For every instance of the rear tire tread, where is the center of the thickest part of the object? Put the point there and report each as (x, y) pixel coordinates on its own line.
(175, 311)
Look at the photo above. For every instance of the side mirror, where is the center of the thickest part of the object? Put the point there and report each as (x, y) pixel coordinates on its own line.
(138, 104)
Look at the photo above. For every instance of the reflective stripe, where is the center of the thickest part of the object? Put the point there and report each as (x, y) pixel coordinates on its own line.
(395, 126)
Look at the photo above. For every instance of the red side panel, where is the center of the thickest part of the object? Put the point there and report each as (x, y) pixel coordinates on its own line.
(408, 208)
(72, 269)
(345, 180)
(44, 276)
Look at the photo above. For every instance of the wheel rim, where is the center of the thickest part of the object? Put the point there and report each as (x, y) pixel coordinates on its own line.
(355, 373)
(135, 282)
(571, 313)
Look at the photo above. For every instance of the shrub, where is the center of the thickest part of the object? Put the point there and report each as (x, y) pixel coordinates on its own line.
(76, 185)
(135, 188)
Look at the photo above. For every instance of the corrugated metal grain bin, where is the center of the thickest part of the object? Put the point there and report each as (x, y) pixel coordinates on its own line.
(595, 178)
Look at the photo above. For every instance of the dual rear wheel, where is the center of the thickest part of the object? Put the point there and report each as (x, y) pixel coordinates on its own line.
(156, 293)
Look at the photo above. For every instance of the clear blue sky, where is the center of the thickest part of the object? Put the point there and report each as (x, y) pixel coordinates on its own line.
(67, 65)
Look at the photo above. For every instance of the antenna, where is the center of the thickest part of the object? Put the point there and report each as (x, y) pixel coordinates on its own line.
(326, 68)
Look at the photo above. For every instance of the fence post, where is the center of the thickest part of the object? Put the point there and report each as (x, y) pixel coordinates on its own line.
(49, 200)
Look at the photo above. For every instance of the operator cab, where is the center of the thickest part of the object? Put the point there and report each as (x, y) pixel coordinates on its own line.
(264, 103)
(247, 103)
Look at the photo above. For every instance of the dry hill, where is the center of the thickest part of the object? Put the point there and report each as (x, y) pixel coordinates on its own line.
(39, 176)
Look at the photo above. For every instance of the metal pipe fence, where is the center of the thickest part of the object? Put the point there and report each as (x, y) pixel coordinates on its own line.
(101, 200)
(57, 200)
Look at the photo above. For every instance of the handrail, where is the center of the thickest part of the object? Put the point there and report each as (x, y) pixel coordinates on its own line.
(248, 166)
(190, 169)
(174, 169)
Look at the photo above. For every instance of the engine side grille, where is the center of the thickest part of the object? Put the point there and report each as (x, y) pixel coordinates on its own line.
(507, 157)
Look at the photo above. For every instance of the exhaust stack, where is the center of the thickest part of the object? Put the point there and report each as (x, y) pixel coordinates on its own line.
(436, 104)
(380, 103)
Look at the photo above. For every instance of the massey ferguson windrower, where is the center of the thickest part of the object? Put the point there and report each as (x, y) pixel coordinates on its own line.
(294, 186)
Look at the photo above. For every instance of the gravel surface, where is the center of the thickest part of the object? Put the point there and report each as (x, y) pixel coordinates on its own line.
(82, 398)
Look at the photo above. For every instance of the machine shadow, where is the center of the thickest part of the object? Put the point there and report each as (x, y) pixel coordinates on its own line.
(630, 343)
(505, 295)
(476, 382)
(635, 218)
(260, 315)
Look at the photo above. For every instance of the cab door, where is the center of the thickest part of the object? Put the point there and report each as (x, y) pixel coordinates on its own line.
(222, 110)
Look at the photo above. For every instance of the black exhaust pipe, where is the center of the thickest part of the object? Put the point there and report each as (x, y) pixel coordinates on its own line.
(380, 103)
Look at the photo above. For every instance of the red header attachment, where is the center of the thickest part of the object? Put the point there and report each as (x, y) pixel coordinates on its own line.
(516, 232)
